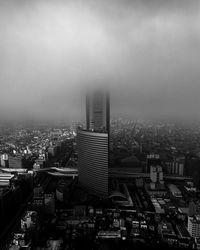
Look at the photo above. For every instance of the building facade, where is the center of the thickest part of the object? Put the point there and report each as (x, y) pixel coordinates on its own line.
(194, 226)
(15, 161)
(152, 160)
(93, 161)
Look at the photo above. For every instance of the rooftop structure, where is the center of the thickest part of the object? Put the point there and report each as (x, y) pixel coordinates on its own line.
(175, 191)
(5, 179)
(194, 226)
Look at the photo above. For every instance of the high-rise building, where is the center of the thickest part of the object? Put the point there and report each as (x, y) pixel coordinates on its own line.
(156, 176)
(152, 160)
(93, 145)
(93, 161)
(178, 165)
(98, 111)
(4, 160)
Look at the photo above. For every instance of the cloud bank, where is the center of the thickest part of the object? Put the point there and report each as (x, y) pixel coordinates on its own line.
(147, 52)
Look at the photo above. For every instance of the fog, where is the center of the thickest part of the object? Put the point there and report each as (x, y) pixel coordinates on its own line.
(147, 52)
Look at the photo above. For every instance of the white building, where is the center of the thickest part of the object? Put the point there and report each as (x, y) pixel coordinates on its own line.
(194, 226)
(156, 176)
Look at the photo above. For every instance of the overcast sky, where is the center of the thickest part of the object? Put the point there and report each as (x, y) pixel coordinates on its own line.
(146, 51)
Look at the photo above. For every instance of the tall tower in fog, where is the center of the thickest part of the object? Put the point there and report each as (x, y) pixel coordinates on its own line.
(98, 110)
(93, 144)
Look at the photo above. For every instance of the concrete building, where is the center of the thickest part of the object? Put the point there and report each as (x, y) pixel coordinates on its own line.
(4, 160)
(156, 176)
(5, 179)
(29, 221)
(167, 232)
(152, 160)
(194, 208)
(183, 235)
(175, 191)
(194, 226)
(53, 150)
(15, 161)
(178, 166)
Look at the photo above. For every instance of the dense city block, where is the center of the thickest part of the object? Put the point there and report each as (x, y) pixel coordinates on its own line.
(153, 195)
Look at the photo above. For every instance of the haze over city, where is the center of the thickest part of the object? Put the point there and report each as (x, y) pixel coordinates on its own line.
(99, 124)
(146, 52)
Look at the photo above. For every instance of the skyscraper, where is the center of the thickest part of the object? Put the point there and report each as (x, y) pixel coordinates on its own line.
(93, 144)
(98, 111)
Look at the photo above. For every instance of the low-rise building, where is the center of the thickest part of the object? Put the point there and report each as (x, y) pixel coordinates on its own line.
(29, 221)
(194, 226)
(175, 191)
(110, 234)
(167, 233)
(183, 235)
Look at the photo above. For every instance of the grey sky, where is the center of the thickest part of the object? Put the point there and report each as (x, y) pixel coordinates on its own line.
(147, 51)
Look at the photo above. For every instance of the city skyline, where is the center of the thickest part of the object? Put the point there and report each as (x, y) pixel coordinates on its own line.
(100, 124)
(70, 187)
(146, 52)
